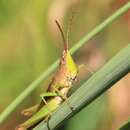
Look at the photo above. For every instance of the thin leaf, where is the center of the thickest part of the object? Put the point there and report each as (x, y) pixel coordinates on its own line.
(126, 126)
(100, 82)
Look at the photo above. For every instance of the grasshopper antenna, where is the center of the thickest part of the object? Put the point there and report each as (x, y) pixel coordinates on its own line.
(70, 25)
(63, 36)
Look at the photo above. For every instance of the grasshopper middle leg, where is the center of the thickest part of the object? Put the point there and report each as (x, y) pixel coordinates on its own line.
(48, 94)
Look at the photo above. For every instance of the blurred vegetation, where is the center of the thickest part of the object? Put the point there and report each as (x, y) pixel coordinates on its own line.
(30, 42)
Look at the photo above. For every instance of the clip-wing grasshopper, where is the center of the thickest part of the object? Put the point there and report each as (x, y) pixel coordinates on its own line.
(57, 91)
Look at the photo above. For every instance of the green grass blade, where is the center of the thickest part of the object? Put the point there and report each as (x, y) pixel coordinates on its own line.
(100, 82)
(45, 74)
(126, 126)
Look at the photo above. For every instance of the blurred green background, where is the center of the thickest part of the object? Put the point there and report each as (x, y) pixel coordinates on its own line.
(30, 42)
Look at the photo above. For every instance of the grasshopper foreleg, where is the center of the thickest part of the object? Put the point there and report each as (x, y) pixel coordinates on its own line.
(64, 97)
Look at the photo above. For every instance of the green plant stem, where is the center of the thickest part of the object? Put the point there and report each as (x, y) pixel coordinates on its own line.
(45, 74)
(100, 82)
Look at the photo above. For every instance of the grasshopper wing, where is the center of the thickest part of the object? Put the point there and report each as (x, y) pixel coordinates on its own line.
(40, 115)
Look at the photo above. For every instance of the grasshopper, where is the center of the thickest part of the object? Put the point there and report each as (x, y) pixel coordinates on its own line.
(57, 91)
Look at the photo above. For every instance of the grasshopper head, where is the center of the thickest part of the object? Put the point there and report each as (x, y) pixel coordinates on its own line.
(68, 66)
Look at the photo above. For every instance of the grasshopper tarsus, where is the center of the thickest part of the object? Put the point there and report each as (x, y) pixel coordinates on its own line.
(48, 126)
(72, 109)
(47, 119)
